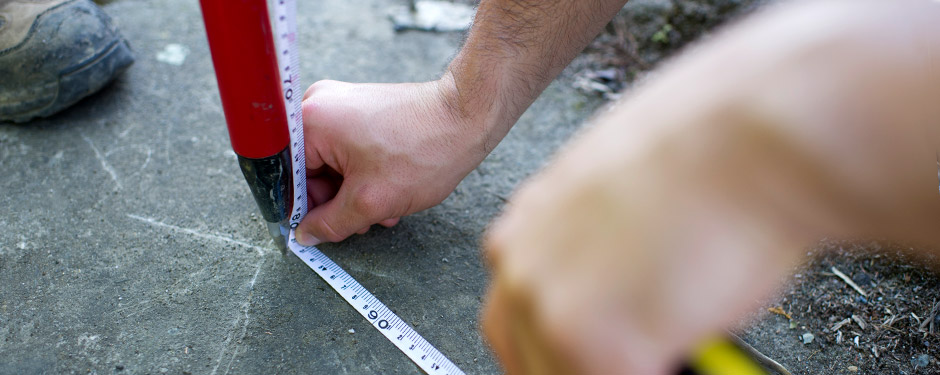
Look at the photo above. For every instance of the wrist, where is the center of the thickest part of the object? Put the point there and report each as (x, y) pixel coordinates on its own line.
(474, 100)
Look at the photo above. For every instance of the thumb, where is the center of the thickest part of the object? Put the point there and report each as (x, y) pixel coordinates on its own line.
(338, 218)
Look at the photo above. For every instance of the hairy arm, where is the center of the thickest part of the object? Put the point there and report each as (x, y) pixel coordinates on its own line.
(696, 194)
(514, 50)
(376, 152)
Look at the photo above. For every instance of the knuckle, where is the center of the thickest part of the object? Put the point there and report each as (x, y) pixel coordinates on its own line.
(494, 241)
(311, 111)
(329, 232)
(316, 87)
(371, 203)
(313, 101)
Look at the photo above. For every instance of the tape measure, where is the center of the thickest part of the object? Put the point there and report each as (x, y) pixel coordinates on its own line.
(382, 318)
(288, 62)
(259, 117)
(403, 336)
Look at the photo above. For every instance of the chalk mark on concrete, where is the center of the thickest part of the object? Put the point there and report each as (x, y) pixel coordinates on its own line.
(230, 347)
(144, 302)
(128, 129)
(169, 131)
(200, 234)
(139, 148)
(239, 327)
(146, 162)
(104, 162)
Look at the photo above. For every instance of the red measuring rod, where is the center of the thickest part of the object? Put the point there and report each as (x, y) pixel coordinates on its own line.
(244, 55)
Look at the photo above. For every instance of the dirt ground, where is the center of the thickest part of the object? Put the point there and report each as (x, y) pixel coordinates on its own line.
(818, 323)
(892, 329)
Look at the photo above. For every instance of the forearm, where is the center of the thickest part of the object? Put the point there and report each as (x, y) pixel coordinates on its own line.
(857, 112)
(701, 190)
(514, 50)
(819, 135)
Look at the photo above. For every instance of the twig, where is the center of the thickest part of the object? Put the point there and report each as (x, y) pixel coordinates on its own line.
(849, 281)
(779, 311)
(841, 323)
(889, 321)
(929, 318)
(758, 356)
(814, 353)
(859, 321)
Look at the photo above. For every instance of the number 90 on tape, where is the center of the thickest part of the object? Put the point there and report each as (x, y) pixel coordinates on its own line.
(382, 318)
(425, 355)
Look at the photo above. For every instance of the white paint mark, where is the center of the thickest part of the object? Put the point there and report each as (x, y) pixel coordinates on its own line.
(200, 234)
(173, 54)
(104, 162)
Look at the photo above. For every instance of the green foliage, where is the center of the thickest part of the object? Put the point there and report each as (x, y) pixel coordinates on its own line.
(662, 36)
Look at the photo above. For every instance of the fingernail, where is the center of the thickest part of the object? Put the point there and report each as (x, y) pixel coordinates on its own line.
(306, 239)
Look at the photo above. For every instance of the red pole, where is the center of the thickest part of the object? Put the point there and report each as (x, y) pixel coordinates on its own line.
(244, 56)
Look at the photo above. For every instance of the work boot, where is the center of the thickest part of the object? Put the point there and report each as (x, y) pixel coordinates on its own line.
(54, 53)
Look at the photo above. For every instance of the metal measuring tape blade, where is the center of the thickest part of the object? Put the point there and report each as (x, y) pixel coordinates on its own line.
(403, 336)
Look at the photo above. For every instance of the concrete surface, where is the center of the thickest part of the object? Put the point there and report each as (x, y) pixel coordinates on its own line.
(129, 242)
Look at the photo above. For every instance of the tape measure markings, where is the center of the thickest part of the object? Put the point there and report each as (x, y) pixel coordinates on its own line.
(285, 28)
(403, 336)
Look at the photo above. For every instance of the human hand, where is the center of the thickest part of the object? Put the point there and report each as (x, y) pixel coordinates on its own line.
(377, 152)
(652, 231)
(604, 267)
(686, 203)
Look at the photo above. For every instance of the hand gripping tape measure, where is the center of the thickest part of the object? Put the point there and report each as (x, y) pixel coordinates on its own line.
(265, 64)
(240, 35)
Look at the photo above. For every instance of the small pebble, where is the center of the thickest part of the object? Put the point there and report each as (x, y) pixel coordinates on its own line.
(352, 330)
(853, 369)
(808, 338)
(921, 361)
